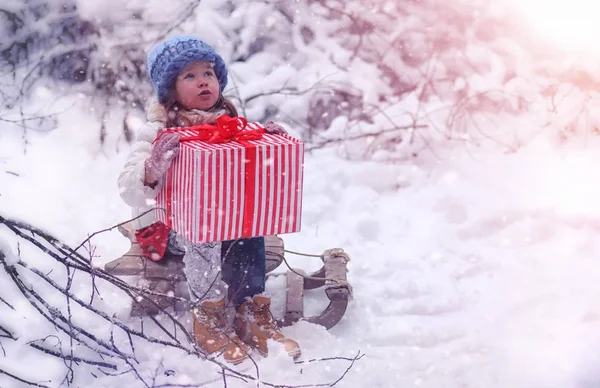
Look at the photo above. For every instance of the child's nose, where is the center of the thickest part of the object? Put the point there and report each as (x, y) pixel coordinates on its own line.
(202, 82)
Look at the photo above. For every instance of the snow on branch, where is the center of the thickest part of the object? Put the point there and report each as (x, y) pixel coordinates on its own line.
(80, 333)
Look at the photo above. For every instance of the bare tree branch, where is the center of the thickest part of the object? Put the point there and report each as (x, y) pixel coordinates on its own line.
(117, 356)
(21, 380)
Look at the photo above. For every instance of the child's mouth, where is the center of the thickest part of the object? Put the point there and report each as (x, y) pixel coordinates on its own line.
(204, 93)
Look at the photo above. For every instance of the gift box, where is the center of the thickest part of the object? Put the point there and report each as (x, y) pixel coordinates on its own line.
(232, 180)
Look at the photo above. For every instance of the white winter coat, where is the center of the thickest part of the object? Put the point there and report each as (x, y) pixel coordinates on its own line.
(140, 197)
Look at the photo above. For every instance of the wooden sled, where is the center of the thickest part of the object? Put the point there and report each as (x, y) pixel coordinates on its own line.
(166, 280)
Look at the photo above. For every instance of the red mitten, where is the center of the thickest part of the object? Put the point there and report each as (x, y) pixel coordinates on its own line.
(153, 240)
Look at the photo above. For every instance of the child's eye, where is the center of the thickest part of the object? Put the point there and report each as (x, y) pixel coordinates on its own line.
(189, 75)
(208, 74)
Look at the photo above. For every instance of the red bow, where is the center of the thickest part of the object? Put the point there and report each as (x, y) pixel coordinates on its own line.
(226, 130)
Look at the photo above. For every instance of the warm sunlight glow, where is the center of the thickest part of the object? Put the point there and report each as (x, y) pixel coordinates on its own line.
(568, 23)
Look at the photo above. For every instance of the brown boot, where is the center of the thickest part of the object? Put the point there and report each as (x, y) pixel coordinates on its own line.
(255, 325)
(212, 334)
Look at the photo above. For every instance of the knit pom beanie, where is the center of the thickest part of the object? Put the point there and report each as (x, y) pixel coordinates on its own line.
(166, 60)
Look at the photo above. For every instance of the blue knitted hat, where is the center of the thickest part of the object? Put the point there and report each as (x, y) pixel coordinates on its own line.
(166, 60)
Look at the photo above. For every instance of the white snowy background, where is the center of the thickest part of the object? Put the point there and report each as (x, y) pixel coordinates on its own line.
(475, 263)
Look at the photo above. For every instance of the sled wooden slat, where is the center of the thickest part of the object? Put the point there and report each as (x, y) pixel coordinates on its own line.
(135, 264)
(152, 304)
(294, 301)
(182, 291)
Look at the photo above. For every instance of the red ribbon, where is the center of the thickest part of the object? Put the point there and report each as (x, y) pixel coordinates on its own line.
(226, 129)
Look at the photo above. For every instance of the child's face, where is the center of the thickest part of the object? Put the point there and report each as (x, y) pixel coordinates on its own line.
(197, 87)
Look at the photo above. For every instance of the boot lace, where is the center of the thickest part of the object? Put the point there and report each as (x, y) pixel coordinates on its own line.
(214, 321)
(265, 320)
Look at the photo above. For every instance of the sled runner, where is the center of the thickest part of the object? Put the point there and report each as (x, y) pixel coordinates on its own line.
(165, 279)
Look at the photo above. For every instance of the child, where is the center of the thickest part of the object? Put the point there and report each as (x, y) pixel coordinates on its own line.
(189, 78)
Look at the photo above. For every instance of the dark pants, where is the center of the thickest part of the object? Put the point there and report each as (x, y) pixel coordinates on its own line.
(244, 267)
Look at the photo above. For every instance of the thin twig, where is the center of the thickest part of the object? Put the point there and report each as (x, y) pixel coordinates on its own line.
(22, 380)
(358, 357)
(73, 358)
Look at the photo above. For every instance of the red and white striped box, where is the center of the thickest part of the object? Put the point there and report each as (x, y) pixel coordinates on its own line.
(226, 191)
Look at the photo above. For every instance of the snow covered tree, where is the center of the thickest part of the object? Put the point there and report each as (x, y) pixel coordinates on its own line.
(399, 74)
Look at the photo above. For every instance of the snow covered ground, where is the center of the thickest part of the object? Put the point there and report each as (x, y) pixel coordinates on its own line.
(477, 270)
